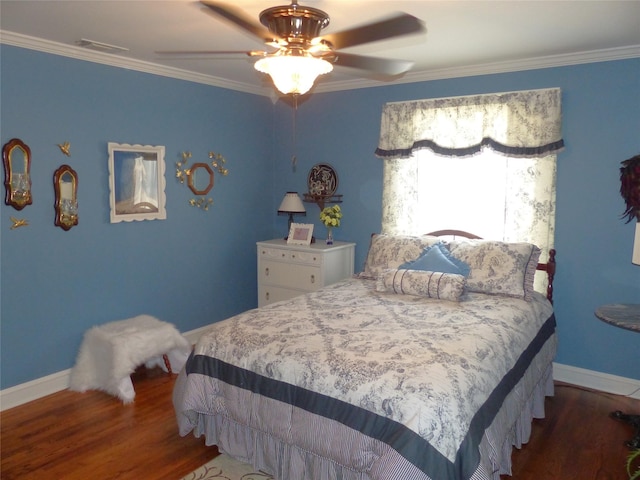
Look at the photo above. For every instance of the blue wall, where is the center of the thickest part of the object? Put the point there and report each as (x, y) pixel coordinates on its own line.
(601, 127)
(198, 267)
(191, 269)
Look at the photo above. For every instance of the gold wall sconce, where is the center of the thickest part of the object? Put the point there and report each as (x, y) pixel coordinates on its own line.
(16, 156)
(65, 186)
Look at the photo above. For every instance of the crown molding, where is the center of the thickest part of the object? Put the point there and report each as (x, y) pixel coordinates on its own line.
(46, 46)
(594, 56)
(79, 53)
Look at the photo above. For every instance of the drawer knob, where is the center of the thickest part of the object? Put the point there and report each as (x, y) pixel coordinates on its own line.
(266, 295)
(313, 279)
(266, 272)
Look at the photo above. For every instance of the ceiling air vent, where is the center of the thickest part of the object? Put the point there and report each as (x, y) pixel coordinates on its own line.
(100, 46)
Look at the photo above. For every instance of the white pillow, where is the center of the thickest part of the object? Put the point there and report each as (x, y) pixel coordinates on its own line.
(444, 286)
(391, 251)
(499, 268)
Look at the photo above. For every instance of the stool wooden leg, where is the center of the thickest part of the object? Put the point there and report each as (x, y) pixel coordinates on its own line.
(167, 363)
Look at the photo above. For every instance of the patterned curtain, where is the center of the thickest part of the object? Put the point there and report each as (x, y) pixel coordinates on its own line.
(523, 127)
(518, 124)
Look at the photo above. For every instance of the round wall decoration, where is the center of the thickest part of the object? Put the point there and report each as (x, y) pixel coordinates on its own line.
(323, 180)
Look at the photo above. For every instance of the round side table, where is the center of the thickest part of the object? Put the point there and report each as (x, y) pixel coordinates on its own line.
(625, 316)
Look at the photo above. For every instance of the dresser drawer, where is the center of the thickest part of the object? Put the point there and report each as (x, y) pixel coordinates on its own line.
(288, 270)
(290, 256)
(269, 294)
(290, 275)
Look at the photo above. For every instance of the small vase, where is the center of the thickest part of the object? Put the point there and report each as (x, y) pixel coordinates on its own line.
(329, 236)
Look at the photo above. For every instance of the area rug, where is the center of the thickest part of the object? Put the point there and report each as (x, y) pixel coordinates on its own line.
(224, 467)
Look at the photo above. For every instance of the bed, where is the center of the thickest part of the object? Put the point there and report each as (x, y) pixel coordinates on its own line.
(429, 364)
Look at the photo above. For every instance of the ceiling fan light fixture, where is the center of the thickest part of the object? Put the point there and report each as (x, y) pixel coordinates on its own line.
(293, 74)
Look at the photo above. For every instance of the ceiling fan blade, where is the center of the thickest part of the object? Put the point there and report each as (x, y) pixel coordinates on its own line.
(239, 18)
(251, 53)
(402, 24)
(383, 66)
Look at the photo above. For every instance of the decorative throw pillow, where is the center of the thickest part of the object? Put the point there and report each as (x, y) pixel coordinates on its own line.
(498, 267)
(391, 251)
(437, 258)
(440, 285)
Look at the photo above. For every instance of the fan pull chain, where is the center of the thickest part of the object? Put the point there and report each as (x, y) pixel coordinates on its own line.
(294, 158)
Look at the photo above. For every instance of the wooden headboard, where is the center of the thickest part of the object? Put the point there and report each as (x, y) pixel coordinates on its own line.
(549, 267)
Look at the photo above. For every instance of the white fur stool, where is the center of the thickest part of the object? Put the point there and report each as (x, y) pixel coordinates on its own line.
(111, 352)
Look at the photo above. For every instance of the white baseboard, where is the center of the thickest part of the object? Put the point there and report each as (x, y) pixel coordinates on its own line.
(194, 335)
(41, 387)
(38, 388)
(597, 381)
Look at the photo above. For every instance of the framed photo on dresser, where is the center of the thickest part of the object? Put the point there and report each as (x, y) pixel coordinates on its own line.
(300, 234)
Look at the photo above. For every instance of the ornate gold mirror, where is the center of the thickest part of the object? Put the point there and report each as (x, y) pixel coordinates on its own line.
(16, 157)
(200, 178)
(65, 186)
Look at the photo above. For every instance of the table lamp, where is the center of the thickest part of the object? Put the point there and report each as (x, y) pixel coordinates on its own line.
(291, 205)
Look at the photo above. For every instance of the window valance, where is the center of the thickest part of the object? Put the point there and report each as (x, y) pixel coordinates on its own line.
(518, 124)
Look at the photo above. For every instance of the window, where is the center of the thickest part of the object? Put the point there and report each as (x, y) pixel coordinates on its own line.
(485, 164)
(491, 195)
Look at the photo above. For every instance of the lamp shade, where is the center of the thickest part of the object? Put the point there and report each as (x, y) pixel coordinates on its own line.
(636, 246)
(293, 73)
(291, 203)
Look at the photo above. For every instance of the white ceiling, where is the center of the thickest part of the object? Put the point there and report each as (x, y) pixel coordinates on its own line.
(463, 37)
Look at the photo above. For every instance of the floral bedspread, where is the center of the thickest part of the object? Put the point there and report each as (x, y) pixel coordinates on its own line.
(434, 370)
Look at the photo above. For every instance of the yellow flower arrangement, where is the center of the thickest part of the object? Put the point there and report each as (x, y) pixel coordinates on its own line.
(331, 216)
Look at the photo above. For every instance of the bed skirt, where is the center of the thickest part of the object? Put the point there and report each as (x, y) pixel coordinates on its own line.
(341, 453)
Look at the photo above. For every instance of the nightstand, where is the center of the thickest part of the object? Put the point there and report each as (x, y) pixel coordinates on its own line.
(285, 271)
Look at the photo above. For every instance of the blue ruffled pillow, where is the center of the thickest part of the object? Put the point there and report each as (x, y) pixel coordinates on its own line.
(437, 258)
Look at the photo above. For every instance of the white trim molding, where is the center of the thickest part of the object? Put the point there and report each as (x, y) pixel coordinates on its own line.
(33, 390)
(79, 53)
(56, 382)
(47, 46)
(603, 382)
(594, 56)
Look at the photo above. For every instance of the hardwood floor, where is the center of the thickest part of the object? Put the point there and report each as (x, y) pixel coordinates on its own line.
(577, 439)
(92, 435)
(80, 436)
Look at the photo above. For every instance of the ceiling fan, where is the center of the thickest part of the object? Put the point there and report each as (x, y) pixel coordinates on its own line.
(298, 54)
